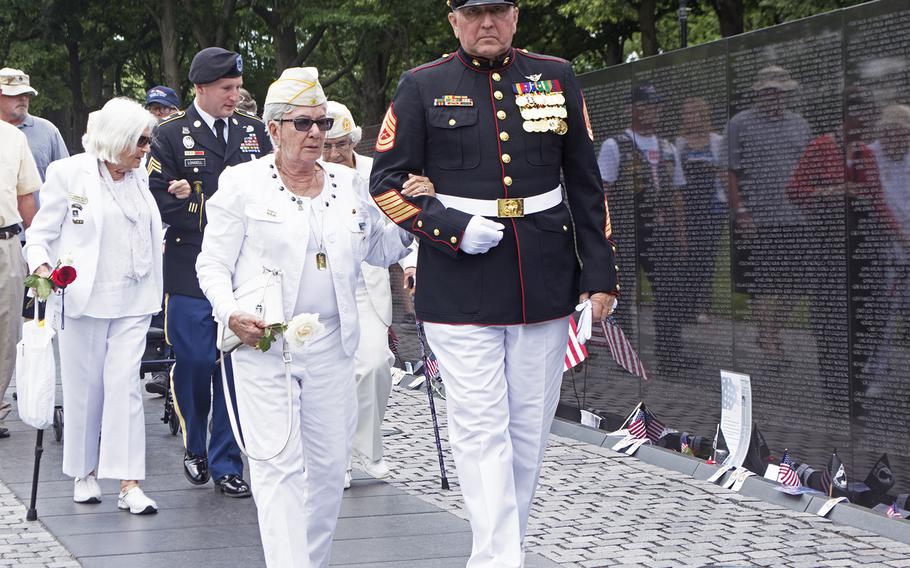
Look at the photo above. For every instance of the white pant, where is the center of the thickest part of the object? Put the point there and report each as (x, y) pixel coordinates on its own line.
(373, 374)
(303, 485)
(99, 366)
(502, 388)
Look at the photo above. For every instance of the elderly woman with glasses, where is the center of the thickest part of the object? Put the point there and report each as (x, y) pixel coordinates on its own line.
(97, 215)
(312, 222)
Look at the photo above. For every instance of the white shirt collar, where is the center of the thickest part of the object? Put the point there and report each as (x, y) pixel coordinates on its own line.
(210, 120)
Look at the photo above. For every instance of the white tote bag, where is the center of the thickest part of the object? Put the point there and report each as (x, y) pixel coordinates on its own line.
(260, 295)
(36, 374)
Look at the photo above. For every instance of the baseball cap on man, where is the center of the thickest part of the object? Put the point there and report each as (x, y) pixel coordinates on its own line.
(456, 4)
(213, 63)
(162, 95)
(14, 82)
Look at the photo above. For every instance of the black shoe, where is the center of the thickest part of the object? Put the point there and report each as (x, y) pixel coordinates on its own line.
(157, 385)
(196, 469)
(233, 486)
(4, 433)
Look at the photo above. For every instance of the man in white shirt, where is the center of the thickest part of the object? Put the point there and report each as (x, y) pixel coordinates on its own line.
(19, 180)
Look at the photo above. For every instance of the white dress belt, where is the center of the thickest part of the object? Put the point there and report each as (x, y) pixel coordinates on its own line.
(505, 207)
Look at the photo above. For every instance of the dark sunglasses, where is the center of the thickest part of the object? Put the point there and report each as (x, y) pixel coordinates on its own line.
(144, 141)
(304, 124)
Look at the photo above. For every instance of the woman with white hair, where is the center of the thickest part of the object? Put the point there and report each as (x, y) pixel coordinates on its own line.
(312, 222)
(97, 215)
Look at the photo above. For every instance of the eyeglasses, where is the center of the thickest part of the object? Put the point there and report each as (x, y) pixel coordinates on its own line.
(475, 13)
(340, 146)
(303, 124)
(144, 141)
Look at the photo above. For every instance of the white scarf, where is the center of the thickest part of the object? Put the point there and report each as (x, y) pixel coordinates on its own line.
(129, 200)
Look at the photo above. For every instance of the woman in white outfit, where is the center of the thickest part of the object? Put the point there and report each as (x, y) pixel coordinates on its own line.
(313, 221)
(97, 215)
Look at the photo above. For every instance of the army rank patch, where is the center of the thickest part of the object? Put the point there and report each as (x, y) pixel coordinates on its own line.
(250, 143)
(454, 101)
(542, 106)
(395, 207)
(153, 165)
(385, 141)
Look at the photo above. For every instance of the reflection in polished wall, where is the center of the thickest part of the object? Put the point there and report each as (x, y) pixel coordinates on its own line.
(760, 194)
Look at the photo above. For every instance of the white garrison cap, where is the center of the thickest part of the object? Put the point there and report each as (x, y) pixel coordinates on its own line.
(344, 122)
(298, 86)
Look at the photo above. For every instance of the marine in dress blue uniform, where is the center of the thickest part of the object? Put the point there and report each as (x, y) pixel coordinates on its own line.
(507, 143)
(187, 148)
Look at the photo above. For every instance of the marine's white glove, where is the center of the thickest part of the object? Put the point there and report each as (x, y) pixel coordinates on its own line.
(583, 329)
(481, 235)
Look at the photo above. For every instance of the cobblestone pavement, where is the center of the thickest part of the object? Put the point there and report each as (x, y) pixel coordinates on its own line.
(599, 508)
(25, 544)
(594, 508)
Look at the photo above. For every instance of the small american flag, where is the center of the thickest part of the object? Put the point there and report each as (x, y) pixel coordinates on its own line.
(894, 512)
(575, 350)
(621, 349)
(637, 425)
(430, 363)
(431, 367)
(787, 473)
(656, 428)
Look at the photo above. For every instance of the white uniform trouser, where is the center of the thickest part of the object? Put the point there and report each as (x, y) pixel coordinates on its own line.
(502, 388)
(99, 367)
(301, 487)
(373, 374)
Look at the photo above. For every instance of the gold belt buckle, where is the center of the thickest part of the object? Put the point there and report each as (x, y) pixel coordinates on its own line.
(511, 207)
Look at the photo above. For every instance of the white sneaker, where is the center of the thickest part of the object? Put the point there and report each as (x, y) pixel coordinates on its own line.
(347, 479)
(375, 469)
(136, 502)
(86, 490)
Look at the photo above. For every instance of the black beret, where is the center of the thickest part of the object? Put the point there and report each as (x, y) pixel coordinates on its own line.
(456, 4)
(213, 63)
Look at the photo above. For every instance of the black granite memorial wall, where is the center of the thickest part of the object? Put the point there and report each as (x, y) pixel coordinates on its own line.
(759, 189)
(763, 226)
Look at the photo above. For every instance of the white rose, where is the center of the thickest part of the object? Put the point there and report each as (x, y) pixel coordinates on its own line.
(303, 328)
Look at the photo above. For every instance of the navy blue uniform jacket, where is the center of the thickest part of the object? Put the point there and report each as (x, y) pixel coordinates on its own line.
(457, 121)
(185, 148)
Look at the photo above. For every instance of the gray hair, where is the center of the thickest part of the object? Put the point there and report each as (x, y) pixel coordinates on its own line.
(275, 111)
(116, 129)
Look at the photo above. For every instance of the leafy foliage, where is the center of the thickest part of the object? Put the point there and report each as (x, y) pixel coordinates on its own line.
(80, 53)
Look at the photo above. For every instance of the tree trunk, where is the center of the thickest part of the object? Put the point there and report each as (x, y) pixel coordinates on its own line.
(285, 41)
(647, 21)
(170, 60)
(75, 85)
(95, 87)
(376, 54)
(613, 41)
(730, 14)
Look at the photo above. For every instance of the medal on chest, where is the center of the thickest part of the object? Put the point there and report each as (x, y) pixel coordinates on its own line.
(542, 105)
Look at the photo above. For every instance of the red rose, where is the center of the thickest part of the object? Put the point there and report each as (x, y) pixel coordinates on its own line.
(63, 276)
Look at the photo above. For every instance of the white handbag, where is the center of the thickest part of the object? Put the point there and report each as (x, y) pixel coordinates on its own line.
(261, 296)
(36, 374)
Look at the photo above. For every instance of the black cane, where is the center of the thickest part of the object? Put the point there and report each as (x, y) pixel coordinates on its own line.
(32, 513)
(425, 349)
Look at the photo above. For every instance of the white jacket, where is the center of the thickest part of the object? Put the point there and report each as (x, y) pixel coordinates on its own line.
(69, 223)
(252, 225)
(375, 278)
